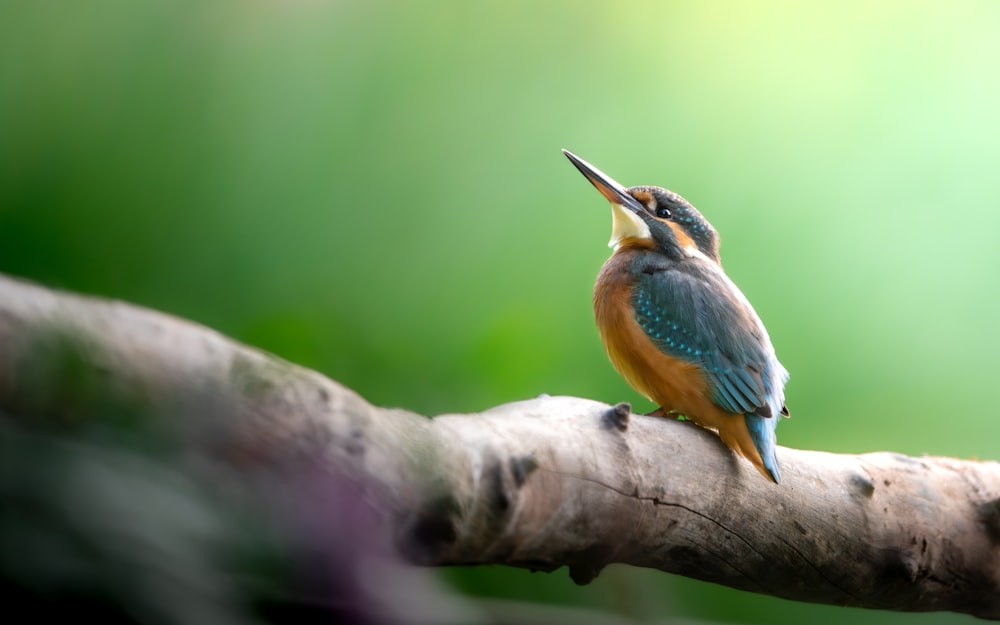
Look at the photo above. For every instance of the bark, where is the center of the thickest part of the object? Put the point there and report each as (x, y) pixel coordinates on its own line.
(542, 483)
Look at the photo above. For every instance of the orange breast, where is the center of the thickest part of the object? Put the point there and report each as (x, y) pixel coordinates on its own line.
(674, 384)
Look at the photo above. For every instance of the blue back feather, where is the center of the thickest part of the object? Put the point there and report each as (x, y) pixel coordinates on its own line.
(693, 312)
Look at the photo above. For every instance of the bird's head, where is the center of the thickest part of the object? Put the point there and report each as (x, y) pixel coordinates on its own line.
(652, 217)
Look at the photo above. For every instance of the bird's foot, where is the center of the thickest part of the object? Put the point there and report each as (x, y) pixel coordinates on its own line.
(667, 414)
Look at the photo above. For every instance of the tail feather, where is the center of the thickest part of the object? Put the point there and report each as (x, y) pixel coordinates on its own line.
(762, 434)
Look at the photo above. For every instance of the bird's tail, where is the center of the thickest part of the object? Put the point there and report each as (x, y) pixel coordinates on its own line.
(762, 434)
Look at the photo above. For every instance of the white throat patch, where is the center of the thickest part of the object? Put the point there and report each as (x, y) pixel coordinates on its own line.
(624, 225)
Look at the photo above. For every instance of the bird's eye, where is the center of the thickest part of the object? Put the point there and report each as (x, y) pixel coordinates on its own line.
(663, 212)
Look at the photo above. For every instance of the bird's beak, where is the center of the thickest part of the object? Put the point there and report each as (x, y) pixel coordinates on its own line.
(626, 222)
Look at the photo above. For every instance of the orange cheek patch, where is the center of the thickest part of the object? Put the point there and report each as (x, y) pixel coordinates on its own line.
(683, 239)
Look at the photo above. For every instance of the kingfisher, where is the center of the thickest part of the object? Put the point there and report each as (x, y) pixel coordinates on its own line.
(677, 328)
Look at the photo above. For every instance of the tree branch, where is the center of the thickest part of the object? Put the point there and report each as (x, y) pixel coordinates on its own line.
(543, 483)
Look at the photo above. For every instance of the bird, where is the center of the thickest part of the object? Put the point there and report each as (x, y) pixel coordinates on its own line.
(678, 329)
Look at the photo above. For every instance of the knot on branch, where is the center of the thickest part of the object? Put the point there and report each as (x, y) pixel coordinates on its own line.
(989, 512)
(429, 530)
(587, 565)
(618, 415)
(521, 468)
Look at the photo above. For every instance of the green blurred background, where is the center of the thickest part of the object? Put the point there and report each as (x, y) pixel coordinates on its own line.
(375, 190)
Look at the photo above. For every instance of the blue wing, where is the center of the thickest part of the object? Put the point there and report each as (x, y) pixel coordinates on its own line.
(698, 315)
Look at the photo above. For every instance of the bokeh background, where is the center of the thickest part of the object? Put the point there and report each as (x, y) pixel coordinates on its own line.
(375, 190)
